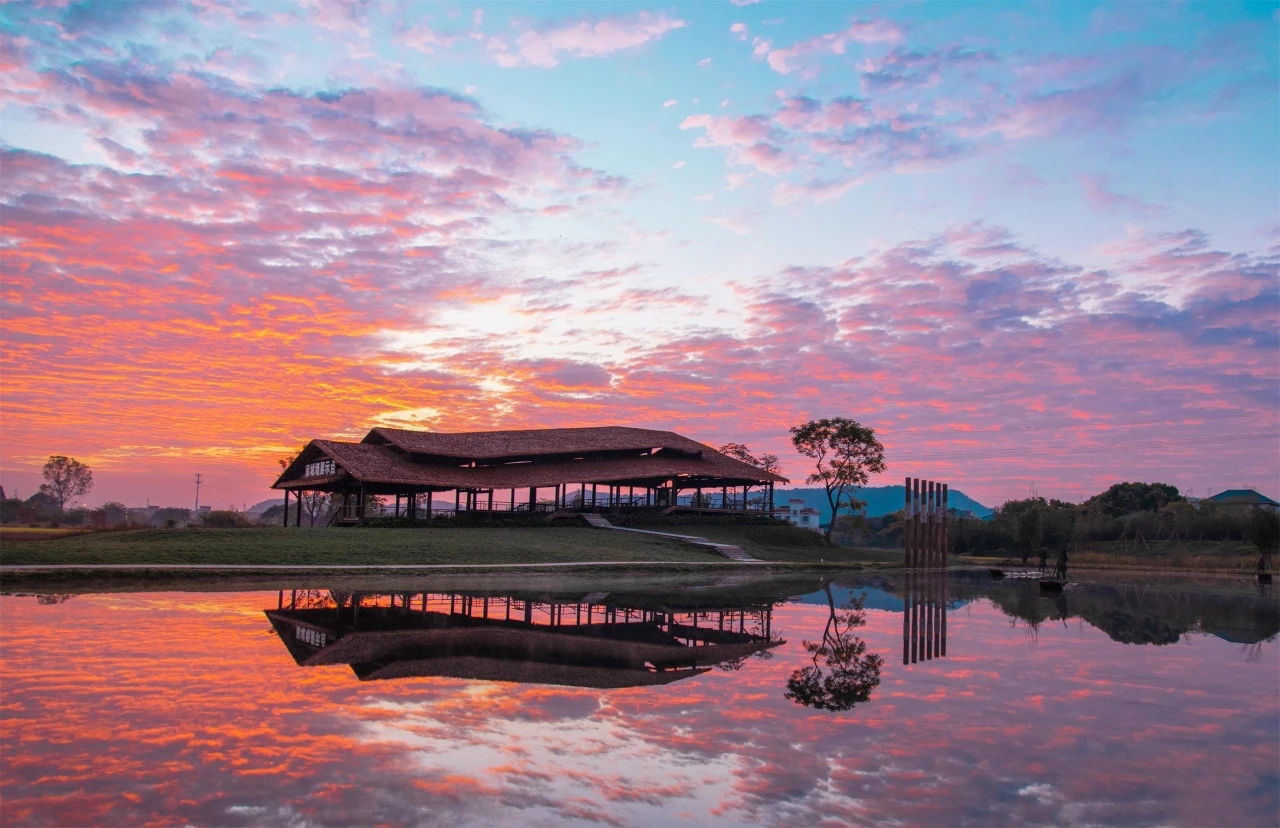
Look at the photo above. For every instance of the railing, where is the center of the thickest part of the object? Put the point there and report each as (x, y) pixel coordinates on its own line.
(603, 501)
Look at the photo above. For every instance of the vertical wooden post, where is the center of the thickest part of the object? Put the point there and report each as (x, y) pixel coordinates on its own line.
(286, 508)
(915, 522)
(946, 525)
(906, 524)
(428, 505)
(593, 495)
(299, 522)
(933, 526)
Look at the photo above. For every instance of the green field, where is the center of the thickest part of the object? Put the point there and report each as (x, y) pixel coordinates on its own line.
(373, 546)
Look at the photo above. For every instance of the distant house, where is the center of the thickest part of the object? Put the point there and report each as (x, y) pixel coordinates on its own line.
(798, 514)
(1242, 498)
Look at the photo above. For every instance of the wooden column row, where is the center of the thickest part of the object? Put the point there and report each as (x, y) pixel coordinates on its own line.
(925, 537)
(924, 617)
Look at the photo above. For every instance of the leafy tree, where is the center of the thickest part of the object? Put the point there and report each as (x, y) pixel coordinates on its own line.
(40, 506)
(114, 513)
(1127, 498)
(845, 454)
(738, 451)
(65, 479)
(843, 673)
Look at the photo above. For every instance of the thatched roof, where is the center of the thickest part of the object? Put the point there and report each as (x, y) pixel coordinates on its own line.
(521, 459)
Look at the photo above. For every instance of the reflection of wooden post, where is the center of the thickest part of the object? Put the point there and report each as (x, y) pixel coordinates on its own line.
(906, 619)
(914, 610)
(942, 633)
(928, 616)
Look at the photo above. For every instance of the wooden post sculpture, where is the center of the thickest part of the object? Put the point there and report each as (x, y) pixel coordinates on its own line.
(926, 536)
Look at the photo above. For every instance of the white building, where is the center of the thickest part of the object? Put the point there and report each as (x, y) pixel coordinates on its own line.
(798, 514)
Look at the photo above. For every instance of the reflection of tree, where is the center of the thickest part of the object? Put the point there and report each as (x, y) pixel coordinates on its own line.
(843, 673)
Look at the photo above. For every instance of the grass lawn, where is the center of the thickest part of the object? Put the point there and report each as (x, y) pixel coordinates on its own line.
(276, 545)
(463, 545)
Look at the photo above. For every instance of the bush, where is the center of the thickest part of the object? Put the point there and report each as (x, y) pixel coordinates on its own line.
(225, 519)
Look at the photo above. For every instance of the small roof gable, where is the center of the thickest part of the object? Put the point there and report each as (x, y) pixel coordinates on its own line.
(1242, 496)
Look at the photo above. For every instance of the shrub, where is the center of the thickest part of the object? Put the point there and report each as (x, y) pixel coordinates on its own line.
(225, 519)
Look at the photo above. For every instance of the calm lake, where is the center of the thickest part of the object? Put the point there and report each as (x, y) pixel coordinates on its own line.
(645, 700)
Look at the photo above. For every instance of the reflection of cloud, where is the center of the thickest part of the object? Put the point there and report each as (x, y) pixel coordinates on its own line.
(163, 696)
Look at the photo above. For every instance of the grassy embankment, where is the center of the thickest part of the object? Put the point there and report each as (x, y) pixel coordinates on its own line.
(374, 546)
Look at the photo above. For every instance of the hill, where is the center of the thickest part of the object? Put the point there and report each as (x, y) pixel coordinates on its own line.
(881, 500)
(262, 506)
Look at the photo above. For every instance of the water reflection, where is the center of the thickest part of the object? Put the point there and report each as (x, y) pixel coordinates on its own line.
(185, 708)
(576, 643)
(843, 673)
(924, 617)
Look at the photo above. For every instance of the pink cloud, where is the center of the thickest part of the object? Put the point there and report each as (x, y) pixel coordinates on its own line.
(545, 47)
(799, 55)
(1104, 199)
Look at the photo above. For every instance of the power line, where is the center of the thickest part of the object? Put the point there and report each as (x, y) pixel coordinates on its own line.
(1001, 429)
(1069, 450)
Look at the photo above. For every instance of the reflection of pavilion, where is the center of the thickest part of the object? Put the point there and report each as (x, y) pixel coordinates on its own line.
(924, 618)
(582, 643)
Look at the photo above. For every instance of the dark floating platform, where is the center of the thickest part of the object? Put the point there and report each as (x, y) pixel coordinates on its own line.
(1051, 586)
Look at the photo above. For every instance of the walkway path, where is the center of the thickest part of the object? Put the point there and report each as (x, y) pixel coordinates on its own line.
(727, 549)
(325, 567)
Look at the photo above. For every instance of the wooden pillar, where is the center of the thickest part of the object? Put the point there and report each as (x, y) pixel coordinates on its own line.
(491, 500)
(915, 522)
(428, 505)
(286, 508)
(513, 500)
(946, 526)
(906, 524)
(299, 522)
(631, 495)
(593, 495)
(533, 498)
(771, 506)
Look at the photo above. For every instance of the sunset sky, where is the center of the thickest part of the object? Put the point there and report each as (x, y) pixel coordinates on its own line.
(1035, 246)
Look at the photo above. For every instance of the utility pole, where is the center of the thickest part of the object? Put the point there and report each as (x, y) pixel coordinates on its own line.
(197, 492)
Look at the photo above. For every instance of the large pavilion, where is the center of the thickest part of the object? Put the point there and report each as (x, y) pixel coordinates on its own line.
(571, 469)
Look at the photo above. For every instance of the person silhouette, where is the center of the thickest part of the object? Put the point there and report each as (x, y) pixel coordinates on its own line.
(1060, 571)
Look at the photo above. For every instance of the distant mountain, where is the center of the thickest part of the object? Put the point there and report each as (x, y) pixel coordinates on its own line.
(881, 500)
(259, 508)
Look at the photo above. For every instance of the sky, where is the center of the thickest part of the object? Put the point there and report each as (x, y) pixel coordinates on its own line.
(1035, 246)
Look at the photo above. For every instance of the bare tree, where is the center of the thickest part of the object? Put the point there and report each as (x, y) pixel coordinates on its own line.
(65, 479)
(845, 454)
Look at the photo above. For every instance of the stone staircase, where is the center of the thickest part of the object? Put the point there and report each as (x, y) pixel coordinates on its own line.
(728, 550)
